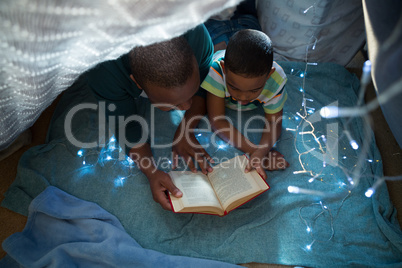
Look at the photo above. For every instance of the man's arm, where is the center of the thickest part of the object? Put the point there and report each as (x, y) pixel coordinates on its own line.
(159, 181)
(185, 143)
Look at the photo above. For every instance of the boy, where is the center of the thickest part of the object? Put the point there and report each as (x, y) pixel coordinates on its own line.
(243, 78)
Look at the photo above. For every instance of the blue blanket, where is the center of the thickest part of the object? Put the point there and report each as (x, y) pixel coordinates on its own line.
(64, 231)
(338, 225)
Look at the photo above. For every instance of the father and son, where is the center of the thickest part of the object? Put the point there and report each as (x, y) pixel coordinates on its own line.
(184, 73)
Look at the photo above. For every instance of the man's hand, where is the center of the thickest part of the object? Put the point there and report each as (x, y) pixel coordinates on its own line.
(187, 146)
(160, 182)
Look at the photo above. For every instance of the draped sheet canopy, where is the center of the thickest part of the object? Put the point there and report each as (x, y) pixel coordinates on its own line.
(46, 44)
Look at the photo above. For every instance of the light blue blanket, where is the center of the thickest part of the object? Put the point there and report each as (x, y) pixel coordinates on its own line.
(64, 231)
(338, 227)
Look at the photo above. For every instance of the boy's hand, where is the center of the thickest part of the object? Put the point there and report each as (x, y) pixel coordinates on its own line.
(273, 160)
(256, 161)
(189, 148)
(160, 182)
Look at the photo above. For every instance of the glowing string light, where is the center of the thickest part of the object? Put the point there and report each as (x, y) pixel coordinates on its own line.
(91, 158)
(297, 190)
(369, 192)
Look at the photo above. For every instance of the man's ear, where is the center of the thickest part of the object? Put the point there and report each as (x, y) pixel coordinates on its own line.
(132, 78)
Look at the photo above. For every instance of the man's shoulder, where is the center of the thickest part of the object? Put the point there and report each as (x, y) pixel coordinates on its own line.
(198, 38)
(111, 79)
(200, 42)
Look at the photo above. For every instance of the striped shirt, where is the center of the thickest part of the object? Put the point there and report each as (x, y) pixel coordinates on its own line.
(272, 97)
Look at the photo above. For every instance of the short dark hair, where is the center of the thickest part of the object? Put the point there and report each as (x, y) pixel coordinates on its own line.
(249, 53)
(166, 64)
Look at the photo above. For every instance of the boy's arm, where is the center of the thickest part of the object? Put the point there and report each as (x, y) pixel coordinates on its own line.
(185, 143)
(224, 129)
(270, 135)
(159, 181)
(272, 131)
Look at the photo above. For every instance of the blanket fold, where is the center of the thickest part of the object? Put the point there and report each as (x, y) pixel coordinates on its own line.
(64, 231)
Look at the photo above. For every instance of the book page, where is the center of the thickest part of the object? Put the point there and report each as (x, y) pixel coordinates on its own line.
(230, 181)
(196, 188)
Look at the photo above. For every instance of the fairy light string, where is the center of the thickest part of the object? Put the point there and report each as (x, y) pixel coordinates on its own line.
(352, 177)
(109, 156)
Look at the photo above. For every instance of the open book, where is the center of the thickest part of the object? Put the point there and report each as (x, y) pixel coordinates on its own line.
(219, 192)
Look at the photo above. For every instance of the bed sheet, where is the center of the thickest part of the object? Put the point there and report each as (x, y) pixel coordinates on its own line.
(335, 224)
(333, 30)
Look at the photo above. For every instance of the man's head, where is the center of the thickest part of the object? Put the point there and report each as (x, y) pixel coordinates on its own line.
(167, 72)
(247, 64)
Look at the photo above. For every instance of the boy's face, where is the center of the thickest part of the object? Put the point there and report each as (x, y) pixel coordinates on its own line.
(245, 89)
(179, 98)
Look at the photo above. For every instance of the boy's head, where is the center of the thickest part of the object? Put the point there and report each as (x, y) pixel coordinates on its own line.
(247, 64)
(167, 72)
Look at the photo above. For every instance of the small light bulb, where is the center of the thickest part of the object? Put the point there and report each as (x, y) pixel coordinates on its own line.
(367, 66)
(293, 189)
(369, 193)
(112, 147)
(129, 160)
(80, 153)
(329, 112)
(354, 144)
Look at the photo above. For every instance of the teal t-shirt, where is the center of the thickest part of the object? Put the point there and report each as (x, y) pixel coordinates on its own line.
(110, 81)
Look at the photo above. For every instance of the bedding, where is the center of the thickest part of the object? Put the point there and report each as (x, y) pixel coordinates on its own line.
(76, 231)
(333, 30)
(315, 214)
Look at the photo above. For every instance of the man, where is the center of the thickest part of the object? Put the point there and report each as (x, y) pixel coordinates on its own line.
(169, 74)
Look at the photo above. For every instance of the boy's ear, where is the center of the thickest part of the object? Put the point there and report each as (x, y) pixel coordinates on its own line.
(132, 78)
(223, 65)
(272, 71)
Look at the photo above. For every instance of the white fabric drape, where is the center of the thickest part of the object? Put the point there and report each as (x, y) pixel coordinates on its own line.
(46, 44)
